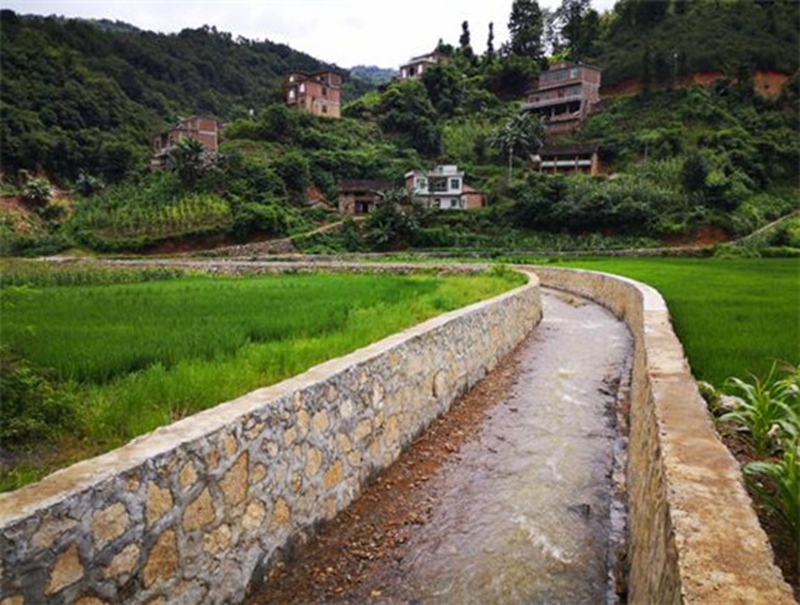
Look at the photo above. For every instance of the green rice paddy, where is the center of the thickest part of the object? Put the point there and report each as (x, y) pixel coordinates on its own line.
(734, 316)
(135, 356)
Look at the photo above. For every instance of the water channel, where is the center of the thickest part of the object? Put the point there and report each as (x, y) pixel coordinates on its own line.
(522, 515)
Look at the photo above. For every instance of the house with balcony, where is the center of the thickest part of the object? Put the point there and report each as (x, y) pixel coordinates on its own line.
(360, 197)
(583, 159)
(417, 66)
(443, 188)
(318, 93)
(564, 95)
(201, 128)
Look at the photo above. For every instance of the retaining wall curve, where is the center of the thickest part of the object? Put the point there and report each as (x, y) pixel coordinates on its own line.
(694, 536)
(187, 513)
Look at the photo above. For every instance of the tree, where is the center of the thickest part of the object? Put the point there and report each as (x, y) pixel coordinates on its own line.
(464, 39)
(490, 43)
(521, 135)
(393, 222)
(187, 160)
(579, 29)
(526, 26)
(406, 110)
(445, 86)
(466, 49)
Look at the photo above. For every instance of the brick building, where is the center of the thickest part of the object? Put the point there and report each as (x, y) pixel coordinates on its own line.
(318, 93)
(564, 95)
(200, 128)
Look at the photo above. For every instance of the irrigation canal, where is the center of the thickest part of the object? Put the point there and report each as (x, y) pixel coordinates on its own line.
(520, 514)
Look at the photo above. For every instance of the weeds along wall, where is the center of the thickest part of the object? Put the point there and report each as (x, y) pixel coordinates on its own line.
(191, 512)
(693, 534)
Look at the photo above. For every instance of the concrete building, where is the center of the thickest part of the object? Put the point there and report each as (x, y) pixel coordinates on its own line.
(564, 95)
(443, 188)
(318, 93)
(417, 65)
(201, 128)
(359, 197)
(563, 160)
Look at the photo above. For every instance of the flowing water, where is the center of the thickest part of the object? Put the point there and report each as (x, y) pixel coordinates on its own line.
(524, 513)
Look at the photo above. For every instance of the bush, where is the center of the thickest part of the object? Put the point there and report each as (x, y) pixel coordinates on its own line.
(32, 407)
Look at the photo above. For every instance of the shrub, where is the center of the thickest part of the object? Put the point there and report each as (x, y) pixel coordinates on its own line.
(32, 407)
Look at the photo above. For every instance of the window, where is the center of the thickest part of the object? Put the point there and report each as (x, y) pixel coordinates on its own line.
(455, 183)
(324, 109)
(324, 92)
(303, 87)
(438, 184)
(573, 73)
(422, 183)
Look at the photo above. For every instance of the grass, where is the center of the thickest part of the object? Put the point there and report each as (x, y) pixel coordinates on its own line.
(735, 317)
(135, 356)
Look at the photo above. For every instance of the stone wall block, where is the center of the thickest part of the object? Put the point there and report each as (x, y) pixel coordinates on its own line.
(200, 512)
(67, 570)
(109, 524)
(235, 482)
(159, 503)
(162, 559)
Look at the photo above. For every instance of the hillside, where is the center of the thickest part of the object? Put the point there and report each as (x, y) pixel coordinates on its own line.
(80, 100)
(87, 96)
(659, 41)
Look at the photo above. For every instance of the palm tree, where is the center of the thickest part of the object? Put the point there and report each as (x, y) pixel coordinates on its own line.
(188, 160)
(522, 134)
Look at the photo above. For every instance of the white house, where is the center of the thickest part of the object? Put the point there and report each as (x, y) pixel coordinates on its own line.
(443, 188)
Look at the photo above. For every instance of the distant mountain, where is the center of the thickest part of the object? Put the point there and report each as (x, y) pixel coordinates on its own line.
(373, 74)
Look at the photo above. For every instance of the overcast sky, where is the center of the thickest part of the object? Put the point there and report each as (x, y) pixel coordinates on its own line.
(344, 32)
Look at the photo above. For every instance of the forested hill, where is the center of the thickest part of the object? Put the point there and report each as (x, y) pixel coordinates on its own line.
(75, 93)
(658, 40)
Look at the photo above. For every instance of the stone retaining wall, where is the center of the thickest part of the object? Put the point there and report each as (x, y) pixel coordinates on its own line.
(187, 513)
(694, 536)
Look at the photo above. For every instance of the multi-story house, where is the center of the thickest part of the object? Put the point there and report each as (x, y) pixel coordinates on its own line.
(201, 128)
(318, 93)
(564, 95)
(417, 65)
(443, 188)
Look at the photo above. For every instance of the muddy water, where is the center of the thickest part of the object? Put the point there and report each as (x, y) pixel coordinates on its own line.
(524, 514)
(518, 513)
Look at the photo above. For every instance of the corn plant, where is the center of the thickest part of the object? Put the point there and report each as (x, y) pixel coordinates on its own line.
(777, 483)
(765, 407)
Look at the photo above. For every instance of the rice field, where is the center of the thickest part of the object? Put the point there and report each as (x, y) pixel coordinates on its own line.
(131, 355)
(735, 317)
